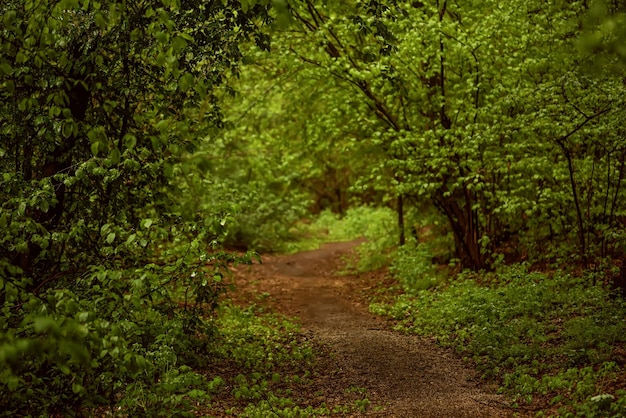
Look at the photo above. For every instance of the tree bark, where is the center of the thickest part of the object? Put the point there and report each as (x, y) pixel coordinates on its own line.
(401, 220)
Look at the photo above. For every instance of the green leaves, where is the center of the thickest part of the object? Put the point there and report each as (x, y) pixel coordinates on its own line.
(130, 141)
(540, 335)
(67, 129)
(5, 69)
(101, 103)
(179, 43)
(464, 110)
(9, 17)
(110, 238)
(185, 82)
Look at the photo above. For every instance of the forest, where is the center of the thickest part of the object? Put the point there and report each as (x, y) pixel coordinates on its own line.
(151, 150)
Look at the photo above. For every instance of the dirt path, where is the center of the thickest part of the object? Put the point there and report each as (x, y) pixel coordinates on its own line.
(406, 376)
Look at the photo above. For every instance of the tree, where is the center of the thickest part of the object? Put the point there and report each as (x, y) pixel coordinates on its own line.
(478, 109)
(99, 103)
(291, 133)
(102, 102)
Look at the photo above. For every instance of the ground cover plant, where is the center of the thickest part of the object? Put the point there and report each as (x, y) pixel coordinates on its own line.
(554, 342)
(261, 365)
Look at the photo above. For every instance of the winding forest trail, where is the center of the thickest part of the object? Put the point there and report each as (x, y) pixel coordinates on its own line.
(405, 376)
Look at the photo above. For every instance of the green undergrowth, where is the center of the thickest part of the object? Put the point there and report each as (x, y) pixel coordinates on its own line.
(377, 227)
(554, 341)
(413, 267)
(153, 338)
(262, 365)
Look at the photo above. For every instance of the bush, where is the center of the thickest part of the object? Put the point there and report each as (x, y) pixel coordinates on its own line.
(114, 337)
(413, 266)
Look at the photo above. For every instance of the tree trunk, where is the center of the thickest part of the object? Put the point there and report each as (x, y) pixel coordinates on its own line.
(401, 220)
(60, 159)
(465, 227)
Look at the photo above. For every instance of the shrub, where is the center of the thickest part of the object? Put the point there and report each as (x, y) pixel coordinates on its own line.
(413, 266)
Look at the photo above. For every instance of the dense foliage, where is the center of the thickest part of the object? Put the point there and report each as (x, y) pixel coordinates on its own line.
(497, 128)
(506, 118)
(108, 276)
(135, 149)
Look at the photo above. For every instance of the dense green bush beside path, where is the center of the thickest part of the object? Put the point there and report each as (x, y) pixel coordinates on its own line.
(553, 342)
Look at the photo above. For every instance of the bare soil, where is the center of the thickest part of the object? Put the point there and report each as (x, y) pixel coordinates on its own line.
(403, 375)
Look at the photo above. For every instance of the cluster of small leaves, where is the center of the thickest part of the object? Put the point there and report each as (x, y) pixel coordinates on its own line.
(114, 337)
(260, 343)
(413, 267)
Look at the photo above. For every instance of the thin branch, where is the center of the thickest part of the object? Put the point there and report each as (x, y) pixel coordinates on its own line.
(561, 141)
(306, 23)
